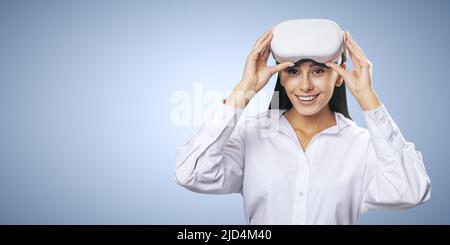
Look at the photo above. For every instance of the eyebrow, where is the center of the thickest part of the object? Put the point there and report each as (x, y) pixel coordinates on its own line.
(313, 64)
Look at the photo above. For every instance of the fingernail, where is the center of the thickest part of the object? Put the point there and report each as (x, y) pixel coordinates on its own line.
(291, 65)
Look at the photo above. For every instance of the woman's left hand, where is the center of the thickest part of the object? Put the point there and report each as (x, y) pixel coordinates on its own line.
(358, 81)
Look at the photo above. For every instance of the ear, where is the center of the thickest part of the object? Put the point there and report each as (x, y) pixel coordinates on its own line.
(340, 80)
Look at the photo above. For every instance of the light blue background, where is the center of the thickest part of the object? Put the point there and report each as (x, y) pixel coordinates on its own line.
(85, 100)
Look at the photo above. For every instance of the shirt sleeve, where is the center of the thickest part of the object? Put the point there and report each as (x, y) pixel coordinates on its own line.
(395, 176)
(212, 161)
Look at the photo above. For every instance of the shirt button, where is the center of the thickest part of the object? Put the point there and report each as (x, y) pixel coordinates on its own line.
(383, 119)
(300, 193)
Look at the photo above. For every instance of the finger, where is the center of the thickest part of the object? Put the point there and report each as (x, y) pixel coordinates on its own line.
(341, 71)
(263, 57)
(355, 51)
(352, 41)
(265, 54)
(350, 50)
(357, 59)
(262, 38)
(262, 45)
(280, 67)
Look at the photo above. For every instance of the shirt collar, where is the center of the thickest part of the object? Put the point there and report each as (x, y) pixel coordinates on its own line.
(276, 116)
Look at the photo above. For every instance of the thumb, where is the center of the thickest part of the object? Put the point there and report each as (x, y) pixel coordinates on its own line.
(341, 71)
(280, 67)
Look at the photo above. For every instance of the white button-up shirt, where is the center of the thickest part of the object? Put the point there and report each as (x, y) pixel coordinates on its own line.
(346, 170)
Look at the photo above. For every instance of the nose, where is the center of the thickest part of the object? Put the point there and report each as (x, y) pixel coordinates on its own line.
(305, 84)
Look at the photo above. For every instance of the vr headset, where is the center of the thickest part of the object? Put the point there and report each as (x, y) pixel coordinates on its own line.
(299, 40)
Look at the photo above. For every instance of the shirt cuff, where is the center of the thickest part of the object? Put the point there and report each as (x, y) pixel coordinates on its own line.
(383, 129)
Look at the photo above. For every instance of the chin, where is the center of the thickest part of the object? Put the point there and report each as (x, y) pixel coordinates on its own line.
(306, 111)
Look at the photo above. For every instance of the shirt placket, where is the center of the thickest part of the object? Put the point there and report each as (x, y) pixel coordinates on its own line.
(301, 184)
(300, 194)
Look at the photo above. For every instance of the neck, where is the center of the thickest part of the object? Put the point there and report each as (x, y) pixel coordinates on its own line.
(311, 124)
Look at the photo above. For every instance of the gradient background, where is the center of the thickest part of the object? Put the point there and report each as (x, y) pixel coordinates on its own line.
(85, 100)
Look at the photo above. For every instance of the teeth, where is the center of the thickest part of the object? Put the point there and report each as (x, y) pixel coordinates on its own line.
(307, 98)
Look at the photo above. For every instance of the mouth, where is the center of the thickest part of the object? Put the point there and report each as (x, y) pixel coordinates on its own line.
(307, 99)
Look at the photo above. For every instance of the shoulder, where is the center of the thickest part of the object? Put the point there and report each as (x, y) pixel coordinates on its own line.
(352, 129)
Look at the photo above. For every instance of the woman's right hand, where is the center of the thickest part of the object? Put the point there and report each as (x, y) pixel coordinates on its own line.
(256, 72)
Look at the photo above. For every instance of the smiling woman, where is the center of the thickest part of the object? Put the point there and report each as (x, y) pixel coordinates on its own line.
(304, 161)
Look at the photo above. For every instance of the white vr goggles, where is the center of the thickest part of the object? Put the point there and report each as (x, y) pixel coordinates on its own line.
(298, 40)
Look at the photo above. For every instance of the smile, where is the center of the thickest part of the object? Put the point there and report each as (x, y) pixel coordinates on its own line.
(307, 98)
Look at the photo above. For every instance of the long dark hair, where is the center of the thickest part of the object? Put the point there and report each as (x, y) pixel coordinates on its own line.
(337, 103)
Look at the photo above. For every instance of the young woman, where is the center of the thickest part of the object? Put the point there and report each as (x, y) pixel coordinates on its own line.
(305, 162)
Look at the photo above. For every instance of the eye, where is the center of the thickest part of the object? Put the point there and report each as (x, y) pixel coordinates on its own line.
(318, 70)
(292, 71)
